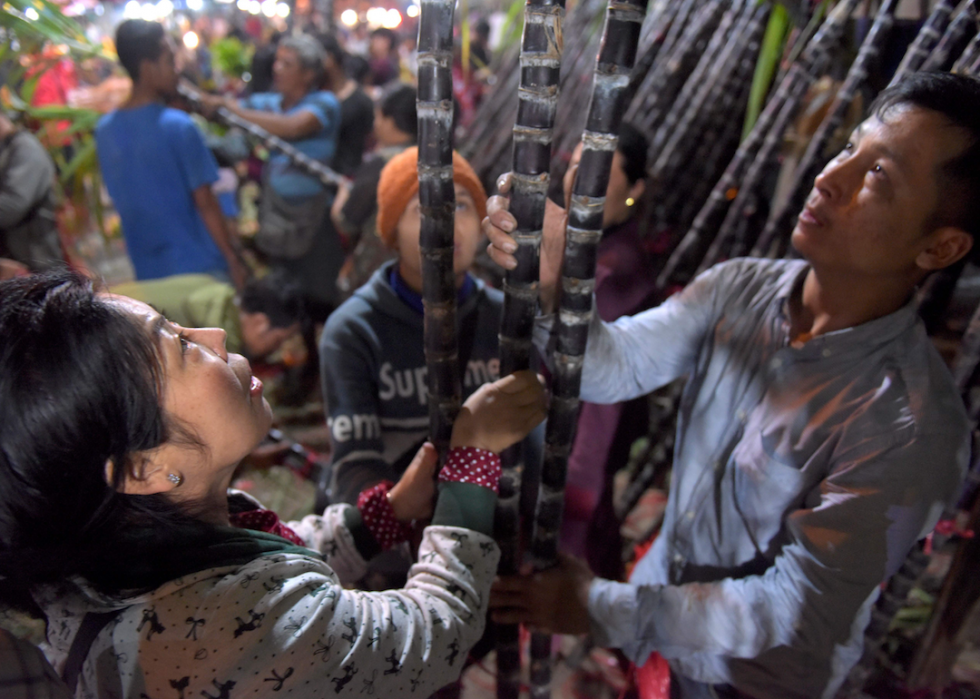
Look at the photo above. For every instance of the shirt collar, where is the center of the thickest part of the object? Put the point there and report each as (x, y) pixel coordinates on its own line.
(414, 299)
(858, 339)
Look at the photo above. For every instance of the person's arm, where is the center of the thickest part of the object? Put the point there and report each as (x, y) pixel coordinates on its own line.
(351, 213)
(638, 354)
(214, 219)
(26, 180)
(301, 123)
(854, 531)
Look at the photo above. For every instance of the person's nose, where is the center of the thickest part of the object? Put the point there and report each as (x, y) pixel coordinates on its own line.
(213, 339)
(839, 180)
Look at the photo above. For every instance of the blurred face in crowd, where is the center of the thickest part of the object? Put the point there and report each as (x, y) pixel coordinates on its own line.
(161, 75)
(467, 239)
(288, 73)
(619, 191)
(872, 208)
(379, 47)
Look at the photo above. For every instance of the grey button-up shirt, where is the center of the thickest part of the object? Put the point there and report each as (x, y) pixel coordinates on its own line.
(802, 477)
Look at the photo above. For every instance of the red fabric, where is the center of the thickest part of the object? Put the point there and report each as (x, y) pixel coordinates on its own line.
(653, 678)
(472, 465)
(379, 518)
(265, 521)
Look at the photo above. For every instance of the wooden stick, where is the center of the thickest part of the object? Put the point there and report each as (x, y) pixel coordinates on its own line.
(955, 39)
(925, 40)
(437, 205)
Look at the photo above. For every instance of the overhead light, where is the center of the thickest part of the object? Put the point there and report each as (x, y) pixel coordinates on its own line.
(195, 5)
(269, 8)
(392, 19)
(149, 12)
(243, 5)
(164, 8)
(191, 40)
(348, 18)
(376, 16)
(412, 11)
(132, 9)
(254, 7)
(282, 9)
(32, 14)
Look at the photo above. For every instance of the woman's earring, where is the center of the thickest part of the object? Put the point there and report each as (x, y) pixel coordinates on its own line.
(175, 479)
(630, 201)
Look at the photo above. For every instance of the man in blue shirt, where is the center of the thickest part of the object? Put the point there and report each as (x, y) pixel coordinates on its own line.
(158, 170)
(819, 436)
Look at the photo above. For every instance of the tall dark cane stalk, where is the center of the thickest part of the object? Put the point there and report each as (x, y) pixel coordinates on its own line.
(437, 205)
(777, 229)
(926, 40)
(957, 35)
(617, 55)
(541, 49)
(969, 55)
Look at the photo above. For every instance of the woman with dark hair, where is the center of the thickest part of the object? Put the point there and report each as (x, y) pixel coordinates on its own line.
(119, 435)
(356, 108)
(623, 286)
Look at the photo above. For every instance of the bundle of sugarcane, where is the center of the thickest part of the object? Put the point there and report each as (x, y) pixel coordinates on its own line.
(742, 222)
(437, 206)
(300, 160)
(670, 73)
(605, 113)
(970, 54)
(787, 97)
(926, 40)
(958, 33)
(822, 145)
(538, 99)
(683, 126)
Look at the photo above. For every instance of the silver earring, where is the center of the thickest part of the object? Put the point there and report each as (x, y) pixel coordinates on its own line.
(175, 479)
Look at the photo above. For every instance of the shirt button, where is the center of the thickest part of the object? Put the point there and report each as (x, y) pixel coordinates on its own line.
(826, 352)
(689, 514)
(678, 558)
(741, 415)
(776, 363)
(716, 465)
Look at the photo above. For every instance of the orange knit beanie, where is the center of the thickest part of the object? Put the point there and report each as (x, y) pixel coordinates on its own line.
(399, 182)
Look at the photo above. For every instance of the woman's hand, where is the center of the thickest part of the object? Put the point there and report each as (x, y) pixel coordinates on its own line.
(411, 497)
(500, 413)
(552, 601)
(498, 225)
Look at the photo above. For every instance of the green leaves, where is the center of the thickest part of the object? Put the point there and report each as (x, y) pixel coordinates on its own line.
(765, 68)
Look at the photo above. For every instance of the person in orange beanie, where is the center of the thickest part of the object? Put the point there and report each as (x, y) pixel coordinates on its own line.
(371, 351)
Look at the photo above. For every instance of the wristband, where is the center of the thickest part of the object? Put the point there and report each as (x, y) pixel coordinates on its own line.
(472, 465)
(379, 517)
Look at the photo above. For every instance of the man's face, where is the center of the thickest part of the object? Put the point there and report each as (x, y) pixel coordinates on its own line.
(162, 73)
(869, 210)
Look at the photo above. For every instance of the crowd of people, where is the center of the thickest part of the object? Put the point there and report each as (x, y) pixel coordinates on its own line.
(819, 434)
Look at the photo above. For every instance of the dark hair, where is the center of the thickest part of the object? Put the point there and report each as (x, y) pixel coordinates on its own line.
(80, 387)
(633, 146)
(398, 103)
(136, 41)
(482, 28)
(277, 297)
(957, 98)
(357, 68)
(334, 49)
(388, 34)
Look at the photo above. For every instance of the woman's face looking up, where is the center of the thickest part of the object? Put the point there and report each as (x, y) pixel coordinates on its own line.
(211, 395)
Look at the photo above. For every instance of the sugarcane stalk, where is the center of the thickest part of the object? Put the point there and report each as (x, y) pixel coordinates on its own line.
(691, 112)
(791, 90)
(541, 48)
(617, 54)
(969, 55)
(779, 225)
(300, 160)
(957, 35)
(437, 204)
(926, 40)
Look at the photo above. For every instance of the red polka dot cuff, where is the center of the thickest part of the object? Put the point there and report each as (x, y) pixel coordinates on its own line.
(265, 521)
(379, 518)
(472, 465)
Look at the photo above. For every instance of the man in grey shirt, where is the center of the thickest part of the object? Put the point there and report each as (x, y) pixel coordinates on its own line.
(820, 434)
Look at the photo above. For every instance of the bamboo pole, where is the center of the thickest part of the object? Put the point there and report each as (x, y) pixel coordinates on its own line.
(955, 39)
(614, 63)
(437, 204)
(327, 177)
(791, 90)
(925, 40)
(541, 49)
(779, 225)
(969, 55)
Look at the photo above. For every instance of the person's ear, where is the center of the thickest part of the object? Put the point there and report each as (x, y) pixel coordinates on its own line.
(637, 190)
(946, 246)
(146, 473)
